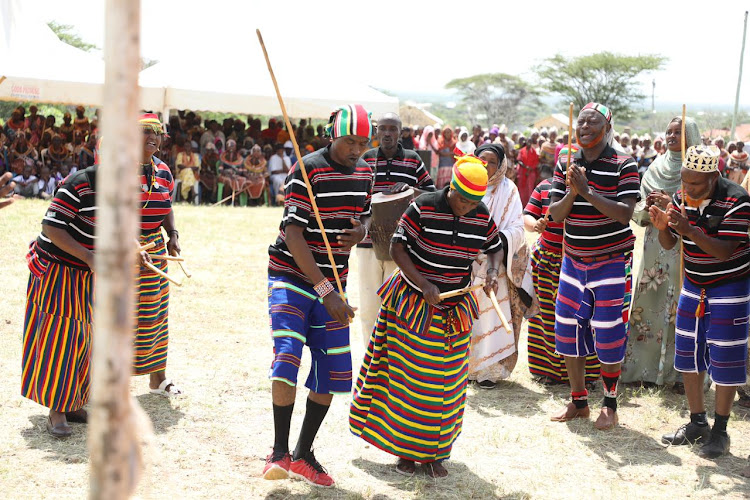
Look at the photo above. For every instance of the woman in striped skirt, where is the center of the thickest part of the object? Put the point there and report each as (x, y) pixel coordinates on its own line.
(411, 390)
(57, 325)
(152, 330)
(545, 364)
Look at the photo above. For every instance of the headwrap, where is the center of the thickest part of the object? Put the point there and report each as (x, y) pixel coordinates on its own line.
(231, 142)
(469, 177)
(664, 172)
(152, 122)
(702, 159)
(499, 151)
(738, 159)
(601, 108)
(352, 119)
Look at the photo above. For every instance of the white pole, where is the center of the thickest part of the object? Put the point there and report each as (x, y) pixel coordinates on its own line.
(113, 444)
(739, 82)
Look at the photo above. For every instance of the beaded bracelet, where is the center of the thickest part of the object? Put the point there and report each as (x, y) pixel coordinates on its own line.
(492, 269)
(323, 288)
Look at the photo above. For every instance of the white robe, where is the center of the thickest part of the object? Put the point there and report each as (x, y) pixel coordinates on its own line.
(490, 342)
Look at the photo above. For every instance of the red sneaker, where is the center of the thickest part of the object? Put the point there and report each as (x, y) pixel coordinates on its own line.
(277, 466)
(309, 470)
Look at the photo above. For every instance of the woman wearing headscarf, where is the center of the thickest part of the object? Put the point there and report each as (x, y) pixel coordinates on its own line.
(464, 142)
(494, 351)
(650, 351)
(428, 142)
(446, 145)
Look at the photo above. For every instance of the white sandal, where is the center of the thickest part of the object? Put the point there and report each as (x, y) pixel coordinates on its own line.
(162, 390)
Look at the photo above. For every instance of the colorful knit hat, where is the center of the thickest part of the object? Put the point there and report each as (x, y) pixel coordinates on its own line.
(151, 121)
(702, 159)
(469, 177)
(601, 108)
(563, 155)
(352, 119)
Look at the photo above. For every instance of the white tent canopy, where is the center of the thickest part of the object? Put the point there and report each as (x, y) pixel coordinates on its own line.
(244, 86)
(37, 66)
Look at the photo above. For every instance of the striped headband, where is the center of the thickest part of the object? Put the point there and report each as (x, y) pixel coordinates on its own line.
(349, 120)
(601, 108)
(469, 177)
(151, 121)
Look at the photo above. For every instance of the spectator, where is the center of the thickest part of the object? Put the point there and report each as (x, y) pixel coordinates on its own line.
(26, 183)
(46, 184)
(278, 168)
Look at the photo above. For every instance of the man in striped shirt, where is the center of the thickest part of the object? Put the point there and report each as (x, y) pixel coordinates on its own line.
(714, 306)
(396, 169)
(595, 198)
(303, 306)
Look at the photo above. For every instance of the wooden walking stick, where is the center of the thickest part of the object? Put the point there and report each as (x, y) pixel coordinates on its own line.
(682, 198)
(302, 168)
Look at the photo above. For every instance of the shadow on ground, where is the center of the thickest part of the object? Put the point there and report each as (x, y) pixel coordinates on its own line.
(71, 450)
(160, 410)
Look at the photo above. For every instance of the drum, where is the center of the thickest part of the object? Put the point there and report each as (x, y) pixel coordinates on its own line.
(256, 185)
(387, 210)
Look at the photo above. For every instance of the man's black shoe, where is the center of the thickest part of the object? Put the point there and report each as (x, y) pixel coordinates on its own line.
(717, 446)
(688, 434)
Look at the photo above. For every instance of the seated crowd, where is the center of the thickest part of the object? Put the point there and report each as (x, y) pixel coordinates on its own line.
(236, 162)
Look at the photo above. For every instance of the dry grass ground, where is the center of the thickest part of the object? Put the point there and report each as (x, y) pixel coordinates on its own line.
(211, 442)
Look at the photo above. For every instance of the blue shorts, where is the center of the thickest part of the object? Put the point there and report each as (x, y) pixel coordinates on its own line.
(298, 318)
(717, 342)
(591, 310)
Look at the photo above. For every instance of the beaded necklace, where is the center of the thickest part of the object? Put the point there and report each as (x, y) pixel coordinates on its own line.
(152, 183)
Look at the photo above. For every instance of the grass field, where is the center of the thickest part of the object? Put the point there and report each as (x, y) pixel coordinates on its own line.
(211, 442)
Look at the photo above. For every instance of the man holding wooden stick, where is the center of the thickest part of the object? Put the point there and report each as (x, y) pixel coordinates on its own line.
(303, 306)
(595, 196)
(714, 306)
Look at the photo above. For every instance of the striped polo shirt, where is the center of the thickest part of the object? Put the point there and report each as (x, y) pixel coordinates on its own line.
(588, 232)
(725, 216)
(406, 166)
(341, 193)
(443, 246)
(73, 209)
(537, 207)
(156, 198)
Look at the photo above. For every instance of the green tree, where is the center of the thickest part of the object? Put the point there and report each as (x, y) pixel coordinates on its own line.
(494, 97)
(65, 33)
(611, 79)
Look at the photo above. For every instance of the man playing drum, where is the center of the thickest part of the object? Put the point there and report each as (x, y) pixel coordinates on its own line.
(396, 169)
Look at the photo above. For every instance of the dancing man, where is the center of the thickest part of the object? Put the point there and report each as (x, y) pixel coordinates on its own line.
(303, 306)
(712, 312)
(396, 169)
(411, 390)
(595, 197)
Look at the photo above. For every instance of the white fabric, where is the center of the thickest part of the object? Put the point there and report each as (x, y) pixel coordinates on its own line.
(490, 342)
(372, 273)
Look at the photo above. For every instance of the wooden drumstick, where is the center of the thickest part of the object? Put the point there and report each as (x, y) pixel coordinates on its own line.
(499, 312)
(455, 293)
(147, 246)
(166, 257)
(161, 273)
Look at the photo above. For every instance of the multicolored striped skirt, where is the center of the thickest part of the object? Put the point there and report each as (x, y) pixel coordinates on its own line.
(411, 391)
(152, 330)
(543, 360)
(57, 335)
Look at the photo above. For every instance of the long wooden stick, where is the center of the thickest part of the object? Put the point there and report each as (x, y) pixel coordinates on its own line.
(222, 201)
(682, 198)
(455, 293)
(161, 273)
(302, 167)
(499, 312)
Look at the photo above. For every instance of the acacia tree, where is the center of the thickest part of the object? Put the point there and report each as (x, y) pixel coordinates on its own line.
(494, 96)
(611, 79)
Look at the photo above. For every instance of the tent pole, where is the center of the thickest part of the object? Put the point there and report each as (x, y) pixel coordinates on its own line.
(739, 82)
(113, 444)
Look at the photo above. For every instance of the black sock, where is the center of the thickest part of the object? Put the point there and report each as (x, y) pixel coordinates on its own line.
(720, 423)
(314, 416)
(610, 402)
(699, 419)
(282, 420)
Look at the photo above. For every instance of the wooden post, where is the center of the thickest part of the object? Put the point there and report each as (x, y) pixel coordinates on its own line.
(113, 446)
